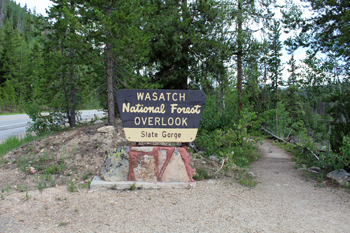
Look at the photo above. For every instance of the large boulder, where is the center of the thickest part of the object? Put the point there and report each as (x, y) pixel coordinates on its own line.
(341, 176)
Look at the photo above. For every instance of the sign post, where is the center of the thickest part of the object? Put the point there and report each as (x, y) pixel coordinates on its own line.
(156, 116)
(160, 115)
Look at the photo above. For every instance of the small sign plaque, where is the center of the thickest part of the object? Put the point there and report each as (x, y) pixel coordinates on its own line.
(160, 115)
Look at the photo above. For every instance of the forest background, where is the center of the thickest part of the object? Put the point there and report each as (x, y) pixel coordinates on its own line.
(83, 52)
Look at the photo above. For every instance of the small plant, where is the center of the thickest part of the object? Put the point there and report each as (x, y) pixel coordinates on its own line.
(23, 164)
(2, 159)
(62, 224)
(245, 178)
(7, 188)
(133, 186)
(53, 183)
(52, 169)
(71, 187)
(44, 158)
(86, 175)
(41, 185)
(27, 196)
(200, 174)
(63, 166)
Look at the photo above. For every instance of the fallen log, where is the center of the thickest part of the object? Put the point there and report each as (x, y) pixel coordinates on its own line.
(295, 144)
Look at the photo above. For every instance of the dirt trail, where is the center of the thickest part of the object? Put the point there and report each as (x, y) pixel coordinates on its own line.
(282, 202)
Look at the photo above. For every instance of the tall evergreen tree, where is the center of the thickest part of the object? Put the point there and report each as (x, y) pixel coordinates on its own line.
(65, 54)
(242, 15)
(115, 29)
(291, 97)
(274, 62)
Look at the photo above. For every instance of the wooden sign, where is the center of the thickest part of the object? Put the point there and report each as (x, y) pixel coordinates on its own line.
(160, 115)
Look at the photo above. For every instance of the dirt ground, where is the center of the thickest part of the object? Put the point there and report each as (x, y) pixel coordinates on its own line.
(283, 201)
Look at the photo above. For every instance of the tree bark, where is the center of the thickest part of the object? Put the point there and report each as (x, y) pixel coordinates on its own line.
(72, 92)
(276, 104)
(110, 94)
(239, 58)
(185, 47)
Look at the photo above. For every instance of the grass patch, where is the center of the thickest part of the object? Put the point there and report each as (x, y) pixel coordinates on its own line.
(133, 186)
(52, 169)
(71, 187)
(200, 174)
(245, 178)
(63, 224)
(13, 142)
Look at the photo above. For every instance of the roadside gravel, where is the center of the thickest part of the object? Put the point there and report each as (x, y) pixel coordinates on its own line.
(282, 202)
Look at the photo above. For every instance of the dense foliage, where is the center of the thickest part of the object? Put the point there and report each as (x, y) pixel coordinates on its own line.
(83, 52)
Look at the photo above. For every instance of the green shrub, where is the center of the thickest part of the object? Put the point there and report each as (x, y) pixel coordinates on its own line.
(200, 174)
(52, 169)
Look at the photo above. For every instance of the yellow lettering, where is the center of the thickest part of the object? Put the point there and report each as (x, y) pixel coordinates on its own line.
(140, 95)
(156, 121)
(184, 121)
(174, 97)
(177, 121)
(168, 95)
(137, 120)
(144, 120)
(126, 107)
(147, 96)
(173, 107)
(182, 97)
(155, 97)
(162, 106)
(161, 96)
(163, 122)
(196, 109)
(150, 119)
(170, 121)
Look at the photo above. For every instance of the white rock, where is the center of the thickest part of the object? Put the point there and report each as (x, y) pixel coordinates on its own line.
(106, 129)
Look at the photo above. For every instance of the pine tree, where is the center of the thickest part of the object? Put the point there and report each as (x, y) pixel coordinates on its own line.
(9, 65)
(274, 62)
(188, 46)
(291, 97)
(115, 29)
(241, 15)
(65, 51)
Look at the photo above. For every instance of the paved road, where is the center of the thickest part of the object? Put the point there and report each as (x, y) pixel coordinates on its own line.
(16, 124)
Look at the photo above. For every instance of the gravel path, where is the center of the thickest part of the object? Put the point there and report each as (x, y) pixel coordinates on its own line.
(282, 202)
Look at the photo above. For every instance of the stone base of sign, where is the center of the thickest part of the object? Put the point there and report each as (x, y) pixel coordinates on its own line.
(116, 166)
(98, 184)
(152, 164)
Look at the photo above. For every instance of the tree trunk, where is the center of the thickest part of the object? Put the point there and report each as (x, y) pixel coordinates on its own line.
(72, 92)
(185, 47)
(110, 94)
(239, 58)
(276, 105)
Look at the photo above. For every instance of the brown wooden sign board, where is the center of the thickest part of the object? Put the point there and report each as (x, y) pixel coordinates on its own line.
(160, 115)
